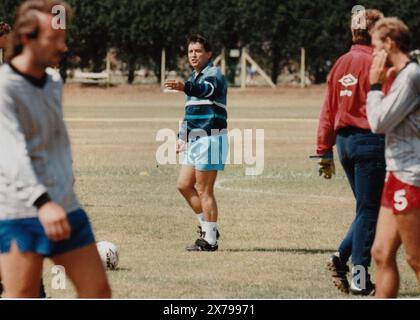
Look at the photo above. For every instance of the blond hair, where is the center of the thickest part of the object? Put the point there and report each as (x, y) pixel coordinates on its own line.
(396, 30)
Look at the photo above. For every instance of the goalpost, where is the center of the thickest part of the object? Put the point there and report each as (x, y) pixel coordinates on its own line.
(245, 60)
(221, 59)
(163, 68)
(302, 67)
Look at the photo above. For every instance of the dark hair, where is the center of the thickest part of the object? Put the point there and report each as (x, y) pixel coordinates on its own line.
(27, 22)
(200, 39)
(396, 30)
(362, 35)
(4, 29)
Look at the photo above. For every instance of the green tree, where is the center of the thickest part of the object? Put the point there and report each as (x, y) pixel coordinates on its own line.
(273, 30)
(142, 28)
(89, 36)
(7, 10)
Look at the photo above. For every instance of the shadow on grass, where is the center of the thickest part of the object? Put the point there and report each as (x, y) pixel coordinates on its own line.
(286, 250)
(121, 269)
(88, 205)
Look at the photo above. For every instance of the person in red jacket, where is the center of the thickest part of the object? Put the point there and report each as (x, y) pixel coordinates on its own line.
(343, 122)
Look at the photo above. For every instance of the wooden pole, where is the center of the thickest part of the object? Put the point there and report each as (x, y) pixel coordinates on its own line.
(243, 69)
(260, 71)
(108, 69)
(163, 68)
(221, 58)
(223, 62)
(302, 67)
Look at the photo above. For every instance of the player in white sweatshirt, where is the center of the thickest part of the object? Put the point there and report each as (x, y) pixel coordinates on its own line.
(397, 115)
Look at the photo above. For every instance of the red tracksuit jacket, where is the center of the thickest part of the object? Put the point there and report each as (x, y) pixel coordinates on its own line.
(345, 102)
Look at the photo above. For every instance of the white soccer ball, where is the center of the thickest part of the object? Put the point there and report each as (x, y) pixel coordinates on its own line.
(109, 254)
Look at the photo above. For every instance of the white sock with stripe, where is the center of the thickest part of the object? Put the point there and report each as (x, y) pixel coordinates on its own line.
(210, 228)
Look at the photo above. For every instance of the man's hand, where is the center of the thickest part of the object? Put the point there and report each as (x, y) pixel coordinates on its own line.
(54, 220)
(378, 71)
(174, 85)
(327, 168)
(180, 146)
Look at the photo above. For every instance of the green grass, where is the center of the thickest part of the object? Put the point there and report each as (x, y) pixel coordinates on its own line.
(278, 229)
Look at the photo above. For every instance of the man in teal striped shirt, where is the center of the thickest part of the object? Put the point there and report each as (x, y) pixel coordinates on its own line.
(203, 137)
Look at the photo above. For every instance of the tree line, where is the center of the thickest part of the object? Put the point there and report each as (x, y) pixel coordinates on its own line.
(272, 30)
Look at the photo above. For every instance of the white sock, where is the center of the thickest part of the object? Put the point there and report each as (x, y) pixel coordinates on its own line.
(210, 228)
(200, 218)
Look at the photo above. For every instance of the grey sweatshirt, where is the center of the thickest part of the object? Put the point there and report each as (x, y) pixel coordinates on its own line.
(35, 152)
(397, 115)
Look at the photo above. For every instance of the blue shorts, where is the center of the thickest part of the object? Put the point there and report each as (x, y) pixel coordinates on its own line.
(31, 237)
(207, 153)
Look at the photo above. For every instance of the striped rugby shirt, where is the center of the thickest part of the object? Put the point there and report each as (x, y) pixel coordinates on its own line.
(397, 115)
(205, 103)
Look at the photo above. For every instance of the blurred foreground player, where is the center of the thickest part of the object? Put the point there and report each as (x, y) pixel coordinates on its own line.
(40, 215)
(4, 31)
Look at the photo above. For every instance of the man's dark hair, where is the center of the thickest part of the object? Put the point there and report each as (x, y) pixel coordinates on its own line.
(4, 29)
(200, 39)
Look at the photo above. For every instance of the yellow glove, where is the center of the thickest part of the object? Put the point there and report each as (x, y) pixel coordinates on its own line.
(327, 168)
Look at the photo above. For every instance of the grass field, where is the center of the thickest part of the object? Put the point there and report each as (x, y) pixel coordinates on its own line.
(277, 229)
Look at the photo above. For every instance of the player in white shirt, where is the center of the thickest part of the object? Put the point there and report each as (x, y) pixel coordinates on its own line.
(397, 115)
